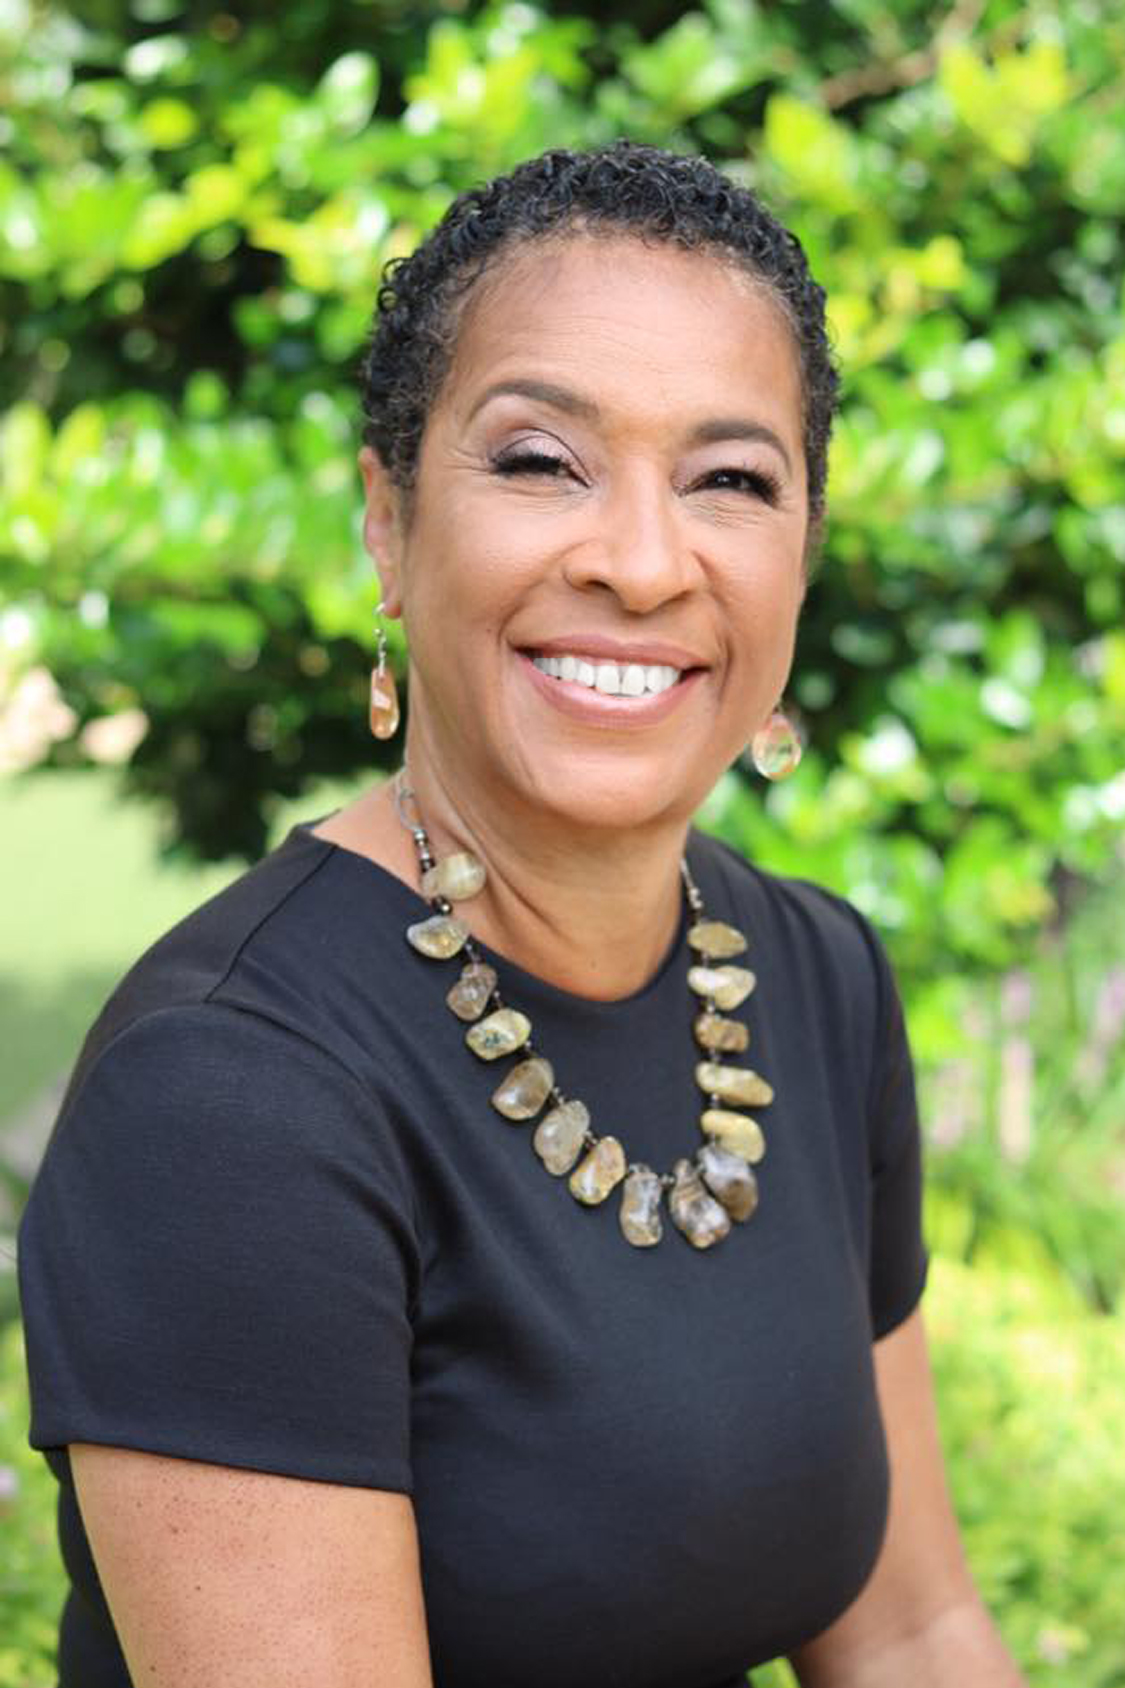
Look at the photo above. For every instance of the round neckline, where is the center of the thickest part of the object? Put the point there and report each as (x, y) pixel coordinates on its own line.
(526, 984)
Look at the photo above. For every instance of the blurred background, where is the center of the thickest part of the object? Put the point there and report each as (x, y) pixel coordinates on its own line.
(194, 206)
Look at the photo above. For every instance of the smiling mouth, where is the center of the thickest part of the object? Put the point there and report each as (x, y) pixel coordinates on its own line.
(612, 679)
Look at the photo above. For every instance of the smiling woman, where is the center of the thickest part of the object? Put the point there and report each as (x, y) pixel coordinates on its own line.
(612, 472)
(410, 1295)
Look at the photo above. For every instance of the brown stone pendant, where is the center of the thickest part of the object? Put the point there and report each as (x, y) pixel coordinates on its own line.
(729, 1037)
(469, 997)
(728, 1178)
(383, 712)
(736, 1132)
(599, 1172)
(697, 1214)
(716, 939)
(439, 937)
(501, 1033)
(523, 1092)
(560, 1134)
(733, 1084)
(639, 1214)
(726, 987)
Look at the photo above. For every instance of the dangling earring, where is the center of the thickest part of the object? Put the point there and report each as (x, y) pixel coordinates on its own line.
(383, 714)
(776, 747)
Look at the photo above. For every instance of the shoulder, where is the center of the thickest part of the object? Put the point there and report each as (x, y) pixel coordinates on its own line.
(261, 971)
(249, 1034)
(202, 1118)
(205, 1102)
(193, 960)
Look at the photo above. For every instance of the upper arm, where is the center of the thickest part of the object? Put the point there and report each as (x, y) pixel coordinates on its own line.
(217, 1259)
(217, 1269)
(217, 1577)
(921, 1574)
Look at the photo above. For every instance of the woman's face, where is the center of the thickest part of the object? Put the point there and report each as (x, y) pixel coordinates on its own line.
(604, 562)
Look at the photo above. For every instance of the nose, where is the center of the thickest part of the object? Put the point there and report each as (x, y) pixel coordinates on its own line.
(637, 548)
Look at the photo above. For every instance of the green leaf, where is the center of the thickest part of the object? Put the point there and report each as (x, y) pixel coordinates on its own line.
(168, 122)
(815, 154)
(348, 90)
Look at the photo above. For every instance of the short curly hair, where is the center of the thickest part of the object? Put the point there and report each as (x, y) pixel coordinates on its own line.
(627, 188)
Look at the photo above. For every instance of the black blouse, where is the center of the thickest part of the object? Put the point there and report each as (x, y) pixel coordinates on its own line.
(280, 1226)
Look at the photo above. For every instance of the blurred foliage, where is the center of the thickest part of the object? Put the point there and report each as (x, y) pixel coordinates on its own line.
(194, 205)
(1025, 1138)
(1029, 1384)
(32, 1583)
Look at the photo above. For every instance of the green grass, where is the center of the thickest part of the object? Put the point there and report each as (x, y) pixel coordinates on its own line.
(85, 892)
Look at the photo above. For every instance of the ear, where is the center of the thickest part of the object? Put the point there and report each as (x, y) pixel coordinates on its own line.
(383, 527)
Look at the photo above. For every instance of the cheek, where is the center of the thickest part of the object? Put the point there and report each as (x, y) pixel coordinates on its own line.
(464, 573)
(766, 590)
(763, 605)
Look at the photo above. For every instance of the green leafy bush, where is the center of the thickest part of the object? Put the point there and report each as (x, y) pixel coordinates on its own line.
(1030, 1385)
(31, 1578)
(1025, 1149)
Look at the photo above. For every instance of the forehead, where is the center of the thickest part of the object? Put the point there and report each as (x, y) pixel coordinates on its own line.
(635, 324)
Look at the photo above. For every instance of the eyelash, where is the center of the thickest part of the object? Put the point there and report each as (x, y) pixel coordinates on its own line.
(758, 482)
(528, 462)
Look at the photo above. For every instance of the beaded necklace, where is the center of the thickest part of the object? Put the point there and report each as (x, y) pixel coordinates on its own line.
(703, 1195)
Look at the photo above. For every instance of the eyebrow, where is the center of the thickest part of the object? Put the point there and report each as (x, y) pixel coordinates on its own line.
(710, 432)
(560, 398)
(738, 428)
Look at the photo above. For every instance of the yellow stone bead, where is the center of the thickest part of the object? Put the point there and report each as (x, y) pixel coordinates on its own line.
(737, 1132)
(501, 1033)
(733, 1084)
(522, 1093)
(468, 998)
(560, 1134)
(457, 877)
(729, 1180)
(726, 987)
(729, 1037)
(697, 1214)
(439, 937)
(716, 939)
(599, 1172)
(639, 1214)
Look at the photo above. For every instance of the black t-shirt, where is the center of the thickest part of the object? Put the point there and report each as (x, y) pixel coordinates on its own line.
(280, 1226)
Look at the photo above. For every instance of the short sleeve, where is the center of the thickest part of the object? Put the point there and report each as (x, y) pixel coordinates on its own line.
(898, 1256)
(218, 1259)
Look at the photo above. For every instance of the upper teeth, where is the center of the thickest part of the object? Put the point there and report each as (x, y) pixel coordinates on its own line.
(616, 679)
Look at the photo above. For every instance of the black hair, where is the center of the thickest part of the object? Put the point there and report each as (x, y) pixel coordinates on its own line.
(626, 187)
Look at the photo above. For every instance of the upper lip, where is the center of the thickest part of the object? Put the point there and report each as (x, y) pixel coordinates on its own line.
(649, 652)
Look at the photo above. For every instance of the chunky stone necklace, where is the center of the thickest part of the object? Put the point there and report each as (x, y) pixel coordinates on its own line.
(704, 1195)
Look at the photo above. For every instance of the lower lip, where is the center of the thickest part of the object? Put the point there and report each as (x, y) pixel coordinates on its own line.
(583, 703)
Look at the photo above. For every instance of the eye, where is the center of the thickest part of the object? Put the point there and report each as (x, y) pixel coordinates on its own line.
(758, 483)
(531, 463)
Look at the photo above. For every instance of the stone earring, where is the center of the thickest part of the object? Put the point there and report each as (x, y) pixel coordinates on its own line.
(383, 714)
(776, 747)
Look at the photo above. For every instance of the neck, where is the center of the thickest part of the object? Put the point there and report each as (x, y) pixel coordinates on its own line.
(592, 911)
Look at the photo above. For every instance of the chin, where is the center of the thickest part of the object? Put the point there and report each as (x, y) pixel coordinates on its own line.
(603, 794)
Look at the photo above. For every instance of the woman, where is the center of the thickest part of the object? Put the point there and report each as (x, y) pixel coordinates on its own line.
(365, 1333)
